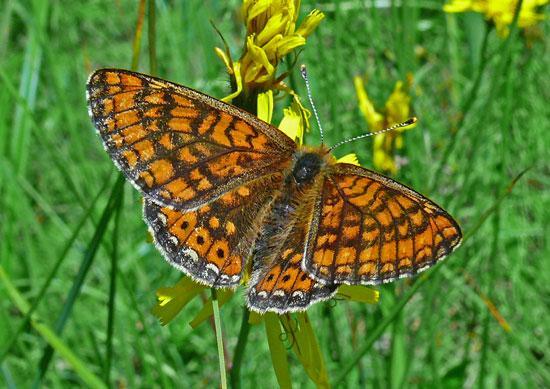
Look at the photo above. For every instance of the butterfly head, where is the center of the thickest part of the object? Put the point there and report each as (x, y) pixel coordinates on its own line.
(307, 166)
(308, 163)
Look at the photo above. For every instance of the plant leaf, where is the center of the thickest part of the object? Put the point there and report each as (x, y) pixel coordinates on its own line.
(277, 349)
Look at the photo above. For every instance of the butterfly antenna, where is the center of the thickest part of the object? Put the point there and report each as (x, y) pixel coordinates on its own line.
(303, 71)
(394, 127)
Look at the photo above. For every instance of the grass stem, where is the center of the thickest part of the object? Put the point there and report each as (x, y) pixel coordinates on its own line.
(219, 338)
(239, 349)
(112, 289)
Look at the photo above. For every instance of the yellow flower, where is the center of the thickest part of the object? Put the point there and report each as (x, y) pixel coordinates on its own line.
(295, 120)
(271, 34)
(500, 12)
(396, 110)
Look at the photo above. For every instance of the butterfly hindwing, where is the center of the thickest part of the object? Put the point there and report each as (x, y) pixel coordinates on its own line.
(283, 286)
(369, 229)
(179, 147)
(212, 243)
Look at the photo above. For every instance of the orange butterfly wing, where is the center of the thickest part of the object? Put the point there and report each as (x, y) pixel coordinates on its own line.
(212, 244)
(179, 147)
(369, 229)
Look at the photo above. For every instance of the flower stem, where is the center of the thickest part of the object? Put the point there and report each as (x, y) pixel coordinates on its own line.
(219, 338)
(152, 38)
(239, 350)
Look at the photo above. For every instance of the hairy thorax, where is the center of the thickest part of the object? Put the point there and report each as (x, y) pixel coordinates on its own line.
(295, 199)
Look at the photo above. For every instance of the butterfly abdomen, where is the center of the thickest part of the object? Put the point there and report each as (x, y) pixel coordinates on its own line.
(274, 227)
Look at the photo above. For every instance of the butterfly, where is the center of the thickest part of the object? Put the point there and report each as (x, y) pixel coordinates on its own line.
(227, 194)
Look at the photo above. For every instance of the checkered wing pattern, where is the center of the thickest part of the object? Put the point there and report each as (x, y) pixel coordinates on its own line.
(179, 147)
(369, 229)
(211, 244)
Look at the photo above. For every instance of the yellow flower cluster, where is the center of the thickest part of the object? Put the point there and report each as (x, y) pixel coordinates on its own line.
(271, 34)
(396, 110)
(501, 12)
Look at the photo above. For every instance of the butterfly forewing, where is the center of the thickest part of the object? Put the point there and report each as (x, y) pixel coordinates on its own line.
(179, 147)
(368, 229)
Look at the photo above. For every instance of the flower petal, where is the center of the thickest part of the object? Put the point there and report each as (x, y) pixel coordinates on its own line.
(289, 43)
(359, 293)
(398, 107)
(225, 59)
(275, 26)
(349, 158)
(295, 120)
(306, 347)
(290, 125)
(382, 158)
(310, 23)
(277, 349)
(259, 58)
(171, 300)
(458, 6)
(238, 82)
(251, 9)
(265, 106)
(374, 119)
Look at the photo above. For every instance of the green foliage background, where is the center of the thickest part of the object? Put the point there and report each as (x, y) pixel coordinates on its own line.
(53, 167)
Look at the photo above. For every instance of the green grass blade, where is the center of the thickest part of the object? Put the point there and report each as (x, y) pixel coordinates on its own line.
(136, 46)
(49, 336)
(398, 353)
(158, 360)
(87, 261)
(112, 289)
(219, 339)
(152, 38)
(44, 289)
(239, 349)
